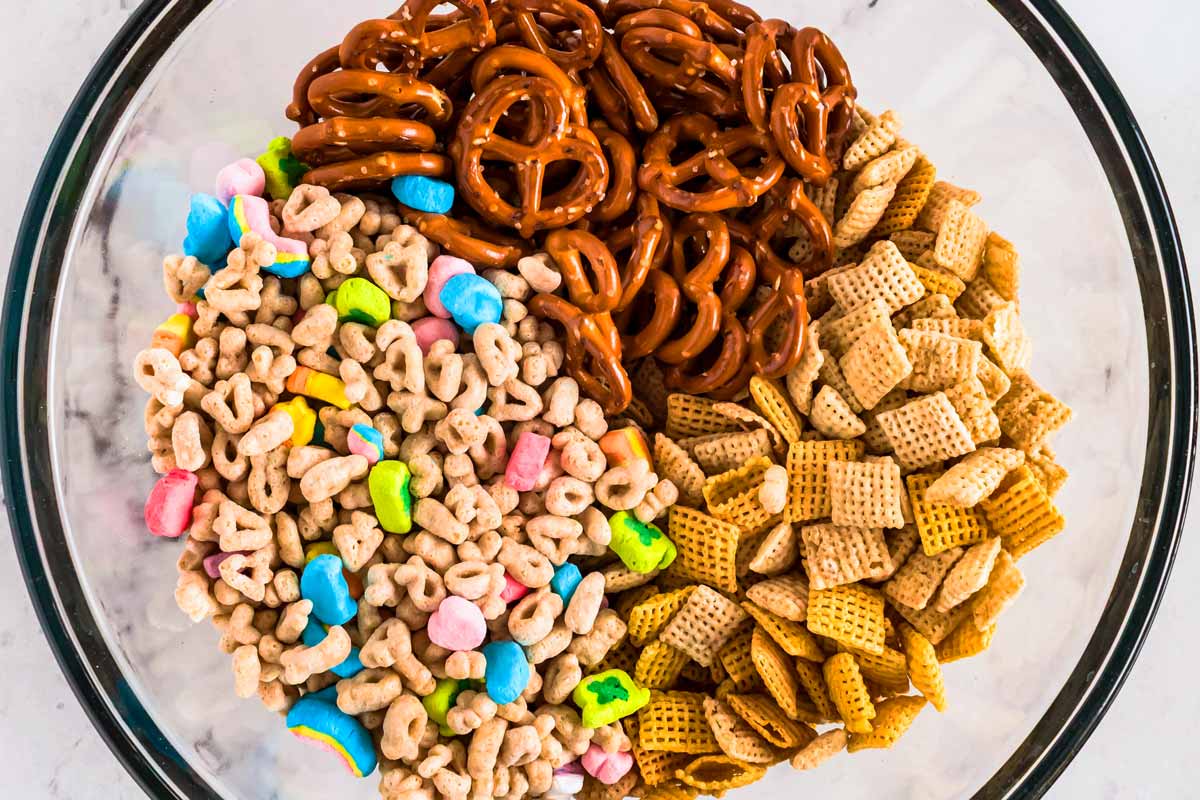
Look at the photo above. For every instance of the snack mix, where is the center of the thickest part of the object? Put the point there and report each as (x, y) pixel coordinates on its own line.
(591, 398)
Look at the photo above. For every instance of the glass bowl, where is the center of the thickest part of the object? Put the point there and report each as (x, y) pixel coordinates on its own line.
(1005, 97)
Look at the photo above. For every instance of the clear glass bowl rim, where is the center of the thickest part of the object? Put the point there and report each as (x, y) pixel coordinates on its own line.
(162, 772)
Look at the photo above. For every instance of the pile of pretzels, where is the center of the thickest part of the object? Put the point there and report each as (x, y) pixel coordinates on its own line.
(662, 152)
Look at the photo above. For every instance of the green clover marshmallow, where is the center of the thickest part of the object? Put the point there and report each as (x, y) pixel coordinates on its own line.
(641, 545)
(607, 696)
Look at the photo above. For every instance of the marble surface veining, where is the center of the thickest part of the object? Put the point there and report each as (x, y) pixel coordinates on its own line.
(46, 741)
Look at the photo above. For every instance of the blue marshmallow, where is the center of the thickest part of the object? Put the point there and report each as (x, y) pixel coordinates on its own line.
(471, 301)
(566, 579)
(323, 583)
(208, 238)
(314, 633)
(507, 672)
(423, 194)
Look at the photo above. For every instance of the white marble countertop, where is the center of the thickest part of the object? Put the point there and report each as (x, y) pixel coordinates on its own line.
(1143, 747)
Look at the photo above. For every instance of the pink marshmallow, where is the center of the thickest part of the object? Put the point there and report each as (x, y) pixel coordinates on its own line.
(244, 176)
(458, 624)
(431, 329)
(608, 768)
(168, 510)
(187, 308)
(526, 460)
(513, 589)
(212, 564)
(441, 270)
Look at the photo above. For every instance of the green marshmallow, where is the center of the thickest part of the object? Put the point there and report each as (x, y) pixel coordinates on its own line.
(641, 545)
(440, 701)
(360, 300)
(283, 171)
(388, 483)
(608, 696)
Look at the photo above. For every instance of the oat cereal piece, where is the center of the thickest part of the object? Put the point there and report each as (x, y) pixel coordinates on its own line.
(792, 637)
(733, 496)
(831, 416)
(931, 306)
(1003, 587)
(995, 383)
(726, 451)
(923, 667)
(775, 669)
(866, 494)
(707, 548)
(943, 526)
(978, 299)
(875, 364)
(938, 361)
(772, 401)
(940, 197)
(883, 273)
(820, 750)
(1021, 513)
(735, 736)
(851, 615)
(912, 242)
(950, 326)
(674, 722)
(893, 717)
(1002, 266)
(715, 774)
(1005, 337)
(1029, 414)
(933, 624)
(776, 552)
(785, 596)
(840, 554)
(768, 720)
(735, 657)
(925, 431)
(688, 415)
(971, 403)
(1049, 472)
(969, 574)
(647, 618)
(915, 583)
(849, 692)
(839, 334)
(965, 641)
(673, 464)
(807, 465)
(703, 624)
(975, 477)
(658, 665)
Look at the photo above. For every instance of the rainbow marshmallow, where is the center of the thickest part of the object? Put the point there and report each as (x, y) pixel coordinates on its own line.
(329, 728)
(249, 213)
